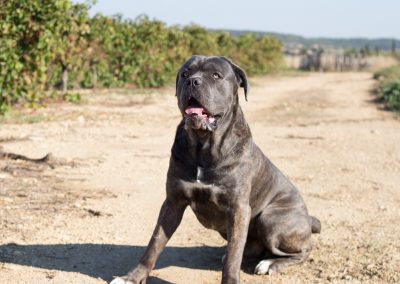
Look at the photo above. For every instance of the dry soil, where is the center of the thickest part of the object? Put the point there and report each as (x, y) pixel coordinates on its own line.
(87, 213)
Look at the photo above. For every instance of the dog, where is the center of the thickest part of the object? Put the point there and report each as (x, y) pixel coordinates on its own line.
(217, 170)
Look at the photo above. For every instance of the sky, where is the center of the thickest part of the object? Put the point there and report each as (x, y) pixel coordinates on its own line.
(310, 18)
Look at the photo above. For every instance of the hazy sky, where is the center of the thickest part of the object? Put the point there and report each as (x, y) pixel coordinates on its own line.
(330, 18)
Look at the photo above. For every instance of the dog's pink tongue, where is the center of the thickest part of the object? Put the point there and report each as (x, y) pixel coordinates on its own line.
(194, 110)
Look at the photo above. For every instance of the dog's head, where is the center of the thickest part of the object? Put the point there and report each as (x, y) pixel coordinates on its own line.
(207, 90)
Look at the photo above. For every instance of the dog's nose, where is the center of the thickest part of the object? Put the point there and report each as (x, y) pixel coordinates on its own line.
(195, 82)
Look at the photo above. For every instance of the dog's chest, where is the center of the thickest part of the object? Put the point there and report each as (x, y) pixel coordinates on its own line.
(201, 191)
(208, 202)
(200, 174)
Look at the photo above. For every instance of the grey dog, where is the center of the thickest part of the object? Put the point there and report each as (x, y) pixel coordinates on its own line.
(217, 170)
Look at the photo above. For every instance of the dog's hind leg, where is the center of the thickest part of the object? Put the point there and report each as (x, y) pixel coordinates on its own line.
(286, 235)
(267, 266)
(253, 249)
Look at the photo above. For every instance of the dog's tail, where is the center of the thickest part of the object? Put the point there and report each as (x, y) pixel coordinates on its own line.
(315, 225)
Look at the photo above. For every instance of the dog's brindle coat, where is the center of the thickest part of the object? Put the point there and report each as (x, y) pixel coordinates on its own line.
(218, 170)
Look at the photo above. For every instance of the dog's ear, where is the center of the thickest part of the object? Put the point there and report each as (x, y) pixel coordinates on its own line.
(241, 76)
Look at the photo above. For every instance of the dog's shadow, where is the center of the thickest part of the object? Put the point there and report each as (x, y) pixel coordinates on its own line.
(105, 261)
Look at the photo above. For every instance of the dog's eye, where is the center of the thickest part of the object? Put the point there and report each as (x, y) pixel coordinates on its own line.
(216, 75)
(185, 74)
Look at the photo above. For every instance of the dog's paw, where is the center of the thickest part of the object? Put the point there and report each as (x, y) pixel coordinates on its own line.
(120, 280)
(137, 276)
(263, 267)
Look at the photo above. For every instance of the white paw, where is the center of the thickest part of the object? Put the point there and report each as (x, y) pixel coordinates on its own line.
(263, 266)
(119, 280)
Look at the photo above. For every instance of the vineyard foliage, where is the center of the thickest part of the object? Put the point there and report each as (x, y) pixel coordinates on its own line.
(55, 45)
(389, 86)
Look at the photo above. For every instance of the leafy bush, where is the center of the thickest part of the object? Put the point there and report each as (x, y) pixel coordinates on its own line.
(48, 45)
(35, 38)
(72, 97)
(391, 94)
(389, 86)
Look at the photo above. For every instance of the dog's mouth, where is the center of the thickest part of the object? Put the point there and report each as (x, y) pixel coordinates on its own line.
(196, 112)
(194, 108)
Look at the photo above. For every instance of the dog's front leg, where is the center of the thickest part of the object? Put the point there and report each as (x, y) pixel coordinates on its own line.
(169, 219)
(238, 224)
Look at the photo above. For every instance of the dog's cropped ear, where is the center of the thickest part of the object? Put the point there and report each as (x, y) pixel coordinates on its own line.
(241, 76)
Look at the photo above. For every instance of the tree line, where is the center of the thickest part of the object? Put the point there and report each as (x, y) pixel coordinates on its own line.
(50, 45)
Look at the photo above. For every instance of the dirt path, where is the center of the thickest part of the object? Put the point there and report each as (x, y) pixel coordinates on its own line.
(89, 215)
